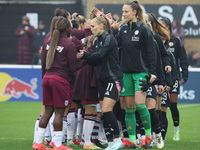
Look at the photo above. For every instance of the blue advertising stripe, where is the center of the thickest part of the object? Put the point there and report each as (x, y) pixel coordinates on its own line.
(24, 83)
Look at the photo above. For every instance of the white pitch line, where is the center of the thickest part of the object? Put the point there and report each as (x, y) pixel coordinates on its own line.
(195, 141)
(189, 105)
(12, 138)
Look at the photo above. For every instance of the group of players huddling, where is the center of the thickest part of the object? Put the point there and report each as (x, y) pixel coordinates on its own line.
(124, 74)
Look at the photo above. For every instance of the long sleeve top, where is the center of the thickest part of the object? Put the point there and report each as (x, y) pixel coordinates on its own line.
(65, 61)
(137, 48)
(106, 57)
(176, 47)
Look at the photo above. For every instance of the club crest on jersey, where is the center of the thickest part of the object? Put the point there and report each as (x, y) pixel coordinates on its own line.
(136, 32)
(125, 31)
(171, 44)
(66, 102)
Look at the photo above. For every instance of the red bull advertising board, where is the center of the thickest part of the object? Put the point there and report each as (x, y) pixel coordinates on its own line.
(24, 83)
(20, 83)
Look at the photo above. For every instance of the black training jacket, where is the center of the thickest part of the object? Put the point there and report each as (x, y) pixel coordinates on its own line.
(164, 54)
(176, 47)
(159, 67)
(106, 57)
(138, 53)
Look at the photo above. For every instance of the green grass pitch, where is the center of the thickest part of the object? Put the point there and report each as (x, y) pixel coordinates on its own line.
(17, 120)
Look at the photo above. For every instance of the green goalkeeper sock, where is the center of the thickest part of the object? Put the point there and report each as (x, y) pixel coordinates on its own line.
(145, 117)
(130, 121)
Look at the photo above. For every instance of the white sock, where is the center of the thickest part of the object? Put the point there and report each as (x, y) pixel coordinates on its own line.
(76, 124)
(139, 136)
(58, 138)
(159, 134)
(64, 129)
(117, 139)
(48, 133)
(36, 130)
(51, 125)
(70, 126)
(176, 128)
(80, 120)
(40, 135)
(143, 137)
(87, 130)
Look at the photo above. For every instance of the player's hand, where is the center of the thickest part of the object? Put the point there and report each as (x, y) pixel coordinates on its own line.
(160, 89)
(168, 69)
(116, 25)
(26, 28)
(145, 84)
(167, 88)
(98, 13)
(80, 54)
(70, 38)
(183, 81)
(109, 17)
(153, 78)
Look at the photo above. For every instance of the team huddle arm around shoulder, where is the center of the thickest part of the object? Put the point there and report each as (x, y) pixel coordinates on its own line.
(101, 52)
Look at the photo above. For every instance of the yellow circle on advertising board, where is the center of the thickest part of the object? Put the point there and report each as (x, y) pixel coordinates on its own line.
(4, 80)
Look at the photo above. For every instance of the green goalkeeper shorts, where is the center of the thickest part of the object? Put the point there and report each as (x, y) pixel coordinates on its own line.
(132, 83)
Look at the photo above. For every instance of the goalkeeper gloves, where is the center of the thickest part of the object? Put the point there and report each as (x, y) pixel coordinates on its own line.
(145, 84)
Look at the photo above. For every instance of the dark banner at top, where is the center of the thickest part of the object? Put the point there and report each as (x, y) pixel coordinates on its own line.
(189, 15)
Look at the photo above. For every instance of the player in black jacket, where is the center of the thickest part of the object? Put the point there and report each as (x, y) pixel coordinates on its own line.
(151, 98)
(176, 47)
(106, 58)
(138, 59)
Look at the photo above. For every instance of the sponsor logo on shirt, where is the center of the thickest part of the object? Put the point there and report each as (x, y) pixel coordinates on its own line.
(171, 50)
(59, 48)
(135, 38)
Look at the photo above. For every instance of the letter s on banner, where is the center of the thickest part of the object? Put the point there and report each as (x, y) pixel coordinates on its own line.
(165, 11)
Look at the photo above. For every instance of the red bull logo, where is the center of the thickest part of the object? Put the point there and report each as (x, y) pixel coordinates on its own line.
(14, 87)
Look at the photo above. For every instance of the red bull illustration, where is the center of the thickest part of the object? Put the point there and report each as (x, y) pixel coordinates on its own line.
(19, 88)
(16, 88)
